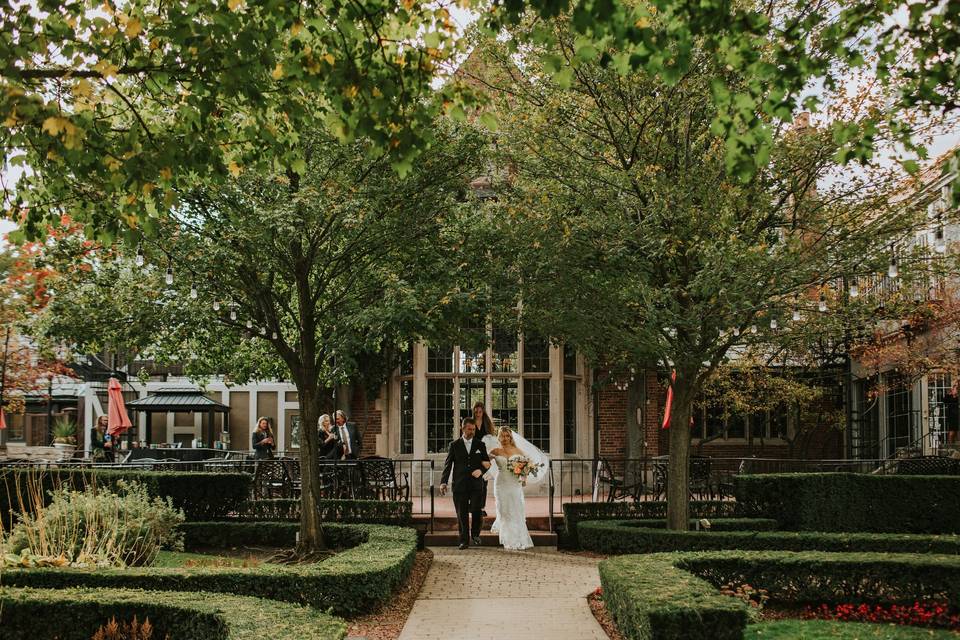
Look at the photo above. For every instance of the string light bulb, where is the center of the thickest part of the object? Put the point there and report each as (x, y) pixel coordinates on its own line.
(193, 292)
(233, 314)
(169, 276)
(139, 258)
(822, 305)
(773, 323)
(216, 305)
(249, 324)
(736, 332)
(274, 335)
(892, 269)
(753, 328)
(796, 315)
(263, 331)
(854, 290)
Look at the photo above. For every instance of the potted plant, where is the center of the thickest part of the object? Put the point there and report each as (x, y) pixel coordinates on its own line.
(64, 434)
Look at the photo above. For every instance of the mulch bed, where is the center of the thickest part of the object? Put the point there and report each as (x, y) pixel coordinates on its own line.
(386, 623)
(600, 612)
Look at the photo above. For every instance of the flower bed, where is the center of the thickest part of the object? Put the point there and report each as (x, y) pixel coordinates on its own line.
(918, 614)
(377, 560)
(76, 614)
(642, 536)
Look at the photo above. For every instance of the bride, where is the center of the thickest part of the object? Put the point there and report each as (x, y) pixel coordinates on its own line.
(511, 522)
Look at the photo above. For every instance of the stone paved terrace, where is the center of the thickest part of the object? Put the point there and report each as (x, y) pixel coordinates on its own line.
(486, 592)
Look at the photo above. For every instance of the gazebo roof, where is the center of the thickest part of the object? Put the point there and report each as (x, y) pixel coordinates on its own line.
(177, 400)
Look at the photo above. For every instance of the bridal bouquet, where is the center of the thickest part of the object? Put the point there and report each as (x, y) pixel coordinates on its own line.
(522, 467)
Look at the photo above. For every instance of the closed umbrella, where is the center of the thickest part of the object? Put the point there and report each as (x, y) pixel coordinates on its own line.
(3, 419)
(117, 420)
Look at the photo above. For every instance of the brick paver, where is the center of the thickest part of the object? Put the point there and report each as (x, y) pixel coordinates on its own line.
(485, 593)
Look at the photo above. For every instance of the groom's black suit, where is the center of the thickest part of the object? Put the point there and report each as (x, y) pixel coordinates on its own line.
(467, 490)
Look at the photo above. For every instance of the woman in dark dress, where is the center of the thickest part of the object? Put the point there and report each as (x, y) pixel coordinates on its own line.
(263, 441)
(484, 428)
(329, 448)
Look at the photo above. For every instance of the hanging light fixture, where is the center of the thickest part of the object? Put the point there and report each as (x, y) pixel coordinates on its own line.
(169, 276)
(216, 305)
(139, 258)
(193, 291)
(822, 304)
(854, 289)
(892, 270)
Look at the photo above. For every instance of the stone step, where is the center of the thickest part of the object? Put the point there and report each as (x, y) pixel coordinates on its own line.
(487, 539)
(449, 523)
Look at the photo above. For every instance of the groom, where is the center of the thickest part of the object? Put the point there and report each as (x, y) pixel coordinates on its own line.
(468, 459)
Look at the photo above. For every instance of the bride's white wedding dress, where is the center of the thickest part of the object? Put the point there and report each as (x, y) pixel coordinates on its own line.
(511, 522)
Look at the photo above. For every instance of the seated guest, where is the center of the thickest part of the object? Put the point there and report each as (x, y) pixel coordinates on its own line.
(263, 441)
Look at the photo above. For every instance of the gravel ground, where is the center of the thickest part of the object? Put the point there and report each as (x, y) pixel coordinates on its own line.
(387, 623)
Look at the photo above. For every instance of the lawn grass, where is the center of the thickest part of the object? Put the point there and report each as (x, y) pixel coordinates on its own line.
(178, 559)
(831, 630)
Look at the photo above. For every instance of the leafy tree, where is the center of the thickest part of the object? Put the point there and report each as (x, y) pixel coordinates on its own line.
(631, 240)
(315, 276)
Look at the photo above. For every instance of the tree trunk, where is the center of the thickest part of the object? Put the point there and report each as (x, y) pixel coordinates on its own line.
(311, 524)
(678, 467)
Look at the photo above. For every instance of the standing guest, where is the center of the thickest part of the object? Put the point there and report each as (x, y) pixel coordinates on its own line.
(263, 441)
(484, 428)
(348, 437)
(98, 441)
(329, 448)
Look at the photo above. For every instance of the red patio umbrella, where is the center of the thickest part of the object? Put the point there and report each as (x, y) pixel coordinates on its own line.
(117, 420)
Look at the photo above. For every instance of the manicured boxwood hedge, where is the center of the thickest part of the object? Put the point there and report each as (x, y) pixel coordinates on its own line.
(833, 578)
(674, 596)
(202, 496)
(853, 501)
(76, 614)
(650, 598)
(354, 581)
(576, 512)
(356, 511)
(639, 536)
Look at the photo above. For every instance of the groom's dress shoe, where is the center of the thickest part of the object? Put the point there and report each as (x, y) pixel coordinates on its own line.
(463, 545)
(476, 541)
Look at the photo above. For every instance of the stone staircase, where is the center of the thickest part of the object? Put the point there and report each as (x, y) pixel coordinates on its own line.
(445, 533)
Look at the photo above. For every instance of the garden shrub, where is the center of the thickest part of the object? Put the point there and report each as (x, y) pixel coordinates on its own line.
(97, 527)
(576, 512)
(675, 597)
(76, 614)
(353, 581)
(640, 536)
(853, 501)
(817, 629)
(201, 496)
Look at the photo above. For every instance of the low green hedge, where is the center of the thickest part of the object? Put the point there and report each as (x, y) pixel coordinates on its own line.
(833, 578)
(353, 581)
(853, 501)
(577, 512)
(674, 596)
(639, 536)
(650, 598)
(202, 496)
(76, 614)
(355, 511)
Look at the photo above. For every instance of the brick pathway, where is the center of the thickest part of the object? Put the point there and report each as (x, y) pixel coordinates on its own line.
(485, 593)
